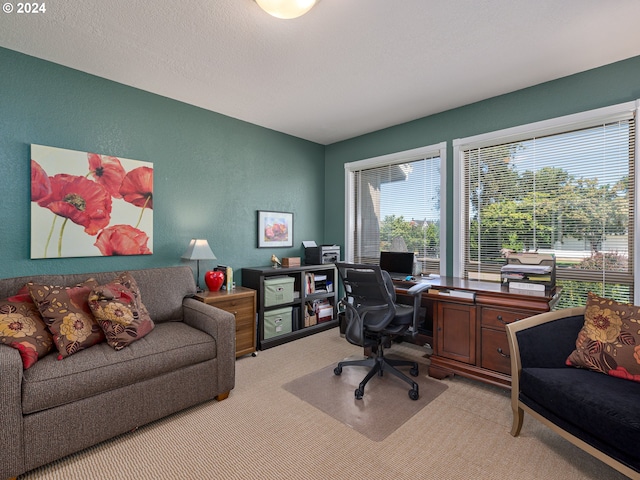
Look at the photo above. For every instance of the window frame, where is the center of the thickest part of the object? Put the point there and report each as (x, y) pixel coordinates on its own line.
(435, 150)
(523, 132)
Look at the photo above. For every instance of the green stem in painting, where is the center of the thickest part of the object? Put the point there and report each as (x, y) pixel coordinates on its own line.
(46, 245)
(60, 238)
(142, 211)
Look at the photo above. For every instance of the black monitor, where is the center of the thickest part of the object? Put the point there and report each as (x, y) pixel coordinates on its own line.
(397, 262)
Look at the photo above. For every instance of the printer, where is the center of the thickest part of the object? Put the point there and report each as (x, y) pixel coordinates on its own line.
(321, 254)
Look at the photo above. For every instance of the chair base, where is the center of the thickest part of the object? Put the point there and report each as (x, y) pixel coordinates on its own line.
(379, 364)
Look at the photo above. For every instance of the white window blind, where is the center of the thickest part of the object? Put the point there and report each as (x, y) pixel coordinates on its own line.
(569, 192)
(394, 205)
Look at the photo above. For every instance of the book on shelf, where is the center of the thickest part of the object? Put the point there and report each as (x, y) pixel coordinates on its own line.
(325, 314)
(323, 310)
(320, 283)
(309, 283)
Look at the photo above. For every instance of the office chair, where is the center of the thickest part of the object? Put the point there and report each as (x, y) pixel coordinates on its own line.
(373, 318)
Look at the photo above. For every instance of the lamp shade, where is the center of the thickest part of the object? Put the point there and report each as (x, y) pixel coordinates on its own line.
(198, 249)
(286, 9)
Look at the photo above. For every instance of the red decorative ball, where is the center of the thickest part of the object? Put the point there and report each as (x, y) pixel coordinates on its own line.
(214, 280)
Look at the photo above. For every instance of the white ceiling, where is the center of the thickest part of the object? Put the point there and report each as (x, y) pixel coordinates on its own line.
(346, 68)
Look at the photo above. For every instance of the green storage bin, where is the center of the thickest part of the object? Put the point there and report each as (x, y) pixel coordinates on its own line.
(278, 290)
(277, 322)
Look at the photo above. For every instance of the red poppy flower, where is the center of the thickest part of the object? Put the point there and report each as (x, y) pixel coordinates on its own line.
(137, 187)
(80, 200)
(108, 172)
(40, 184)
(122, 240)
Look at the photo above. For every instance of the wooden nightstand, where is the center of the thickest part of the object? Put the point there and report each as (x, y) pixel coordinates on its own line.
(241, 302)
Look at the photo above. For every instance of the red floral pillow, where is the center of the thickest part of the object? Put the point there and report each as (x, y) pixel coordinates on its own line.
(21, 327)
(609, 341)
(66, 313)
(119, 310)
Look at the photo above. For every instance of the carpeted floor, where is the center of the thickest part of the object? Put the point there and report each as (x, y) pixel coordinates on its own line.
(262, 431)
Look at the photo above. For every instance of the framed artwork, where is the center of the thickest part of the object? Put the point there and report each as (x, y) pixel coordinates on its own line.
(275, 229)
(89, 205)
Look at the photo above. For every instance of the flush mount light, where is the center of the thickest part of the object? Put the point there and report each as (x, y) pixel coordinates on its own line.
(286, 9)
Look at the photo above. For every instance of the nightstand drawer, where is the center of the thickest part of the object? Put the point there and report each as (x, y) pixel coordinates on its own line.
(498, 318)
(495, 351)
(246, 320)
(240, 307)
(245, 340)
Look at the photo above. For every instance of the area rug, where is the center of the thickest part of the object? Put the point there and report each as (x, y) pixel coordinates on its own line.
(384, 407)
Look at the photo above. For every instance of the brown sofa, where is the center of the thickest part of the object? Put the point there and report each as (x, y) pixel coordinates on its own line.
(58, 407)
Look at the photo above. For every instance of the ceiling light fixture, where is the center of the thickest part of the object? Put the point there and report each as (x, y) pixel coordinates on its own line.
(286, 9)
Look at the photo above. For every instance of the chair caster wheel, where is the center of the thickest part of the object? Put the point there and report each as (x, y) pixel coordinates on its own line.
(337, 370)
(359, 394)
(414, 395)
(414, 372)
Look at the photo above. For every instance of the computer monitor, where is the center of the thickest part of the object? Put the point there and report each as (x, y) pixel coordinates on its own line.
(398, 263)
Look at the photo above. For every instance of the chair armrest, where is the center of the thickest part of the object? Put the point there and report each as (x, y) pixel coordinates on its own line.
(418, 288)
(545, 340)
(221, 325)
(416, 292)
(11, 433)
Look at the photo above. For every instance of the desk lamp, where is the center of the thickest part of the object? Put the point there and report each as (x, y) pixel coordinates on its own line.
(198, 250)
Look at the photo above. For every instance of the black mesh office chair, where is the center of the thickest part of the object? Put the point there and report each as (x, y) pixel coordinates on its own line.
(373, 317)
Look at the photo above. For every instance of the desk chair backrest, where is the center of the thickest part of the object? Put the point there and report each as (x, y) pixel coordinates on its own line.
(369, 299)
(373, 318)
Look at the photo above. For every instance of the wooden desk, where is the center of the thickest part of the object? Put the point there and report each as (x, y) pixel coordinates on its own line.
(469, 337)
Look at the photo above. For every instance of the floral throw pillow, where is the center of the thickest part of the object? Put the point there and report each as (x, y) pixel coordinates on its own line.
(65, 311)
(21, 327)
(609, 341)
(119, 310)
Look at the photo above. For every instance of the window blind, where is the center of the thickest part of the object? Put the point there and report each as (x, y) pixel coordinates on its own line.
(570, 193)
(396, 207)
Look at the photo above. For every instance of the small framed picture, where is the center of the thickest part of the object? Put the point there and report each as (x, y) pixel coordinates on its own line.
(275, 229)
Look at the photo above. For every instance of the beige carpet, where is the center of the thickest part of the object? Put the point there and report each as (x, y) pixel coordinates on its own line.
(264, 432)
(384, 407)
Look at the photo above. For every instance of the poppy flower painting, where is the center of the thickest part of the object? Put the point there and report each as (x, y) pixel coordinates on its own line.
(86, 204)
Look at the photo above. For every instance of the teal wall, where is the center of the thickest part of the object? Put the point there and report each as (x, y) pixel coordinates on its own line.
(211, 172)
(608, 85)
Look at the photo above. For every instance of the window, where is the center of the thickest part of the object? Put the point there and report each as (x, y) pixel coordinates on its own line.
(393, 204)
(564, 186)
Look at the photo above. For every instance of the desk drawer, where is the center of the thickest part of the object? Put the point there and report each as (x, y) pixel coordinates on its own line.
(495, 351)
(498, 318)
